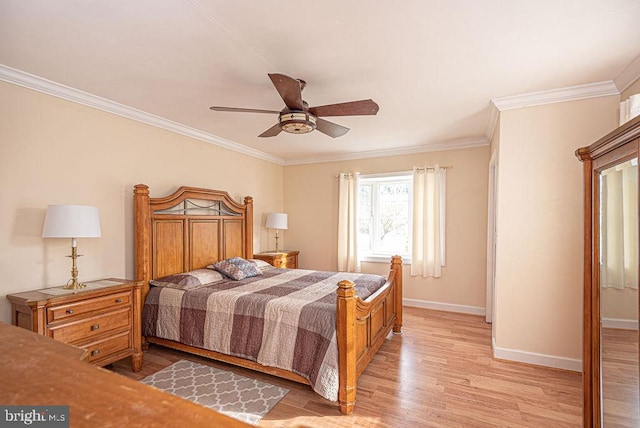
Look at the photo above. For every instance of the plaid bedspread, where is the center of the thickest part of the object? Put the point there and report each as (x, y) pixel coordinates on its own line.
(285, 318)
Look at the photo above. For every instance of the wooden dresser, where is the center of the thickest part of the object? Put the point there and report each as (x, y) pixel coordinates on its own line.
(103, 318)
(286, 259)
(38, 371)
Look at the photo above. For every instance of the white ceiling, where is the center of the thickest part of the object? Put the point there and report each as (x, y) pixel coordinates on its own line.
(432, 65)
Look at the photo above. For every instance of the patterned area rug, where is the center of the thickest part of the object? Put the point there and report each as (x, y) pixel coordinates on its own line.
(239, 397)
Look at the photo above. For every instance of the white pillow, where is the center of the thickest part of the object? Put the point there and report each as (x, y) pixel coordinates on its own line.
(260, 264)
(189, 280)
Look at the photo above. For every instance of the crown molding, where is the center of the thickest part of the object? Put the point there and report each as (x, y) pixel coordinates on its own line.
(435, 147)
(570, 93)
(40, 84)
(629, 75)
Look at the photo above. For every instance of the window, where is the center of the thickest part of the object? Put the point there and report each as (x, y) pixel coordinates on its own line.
(384, 216)
(385, 211)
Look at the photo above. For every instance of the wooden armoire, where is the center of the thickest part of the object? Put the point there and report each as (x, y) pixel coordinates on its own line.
(610, 347)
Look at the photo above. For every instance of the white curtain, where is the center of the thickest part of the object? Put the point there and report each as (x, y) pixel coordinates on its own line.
(348, 223)
(619, 227)
(429, 191)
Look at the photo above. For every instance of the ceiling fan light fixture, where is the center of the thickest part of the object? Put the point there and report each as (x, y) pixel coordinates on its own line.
(297, 122)
(298, 118)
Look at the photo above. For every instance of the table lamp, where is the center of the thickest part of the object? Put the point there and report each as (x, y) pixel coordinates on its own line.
(72, 221)
(277, 221)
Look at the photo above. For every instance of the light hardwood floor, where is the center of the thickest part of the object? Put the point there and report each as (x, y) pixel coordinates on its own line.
(438, 373)
(620, 378)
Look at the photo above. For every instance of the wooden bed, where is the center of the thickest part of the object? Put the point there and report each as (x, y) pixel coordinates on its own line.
(195, 227)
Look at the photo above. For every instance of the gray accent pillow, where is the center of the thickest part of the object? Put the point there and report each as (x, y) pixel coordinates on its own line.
(236, 268)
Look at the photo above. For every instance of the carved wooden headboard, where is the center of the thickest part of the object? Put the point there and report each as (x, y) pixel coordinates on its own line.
(187, 230)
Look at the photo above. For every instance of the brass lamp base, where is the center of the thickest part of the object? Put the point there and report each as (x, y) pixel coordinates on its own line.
(73, 283)
(277, 237)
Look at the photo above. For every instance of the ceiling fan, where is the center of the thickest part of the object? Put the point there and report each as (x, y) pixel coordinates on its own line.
(298, 118)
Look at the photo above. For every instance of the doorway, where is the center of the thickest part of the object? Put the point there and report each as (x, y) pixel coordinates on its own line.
(490, 304)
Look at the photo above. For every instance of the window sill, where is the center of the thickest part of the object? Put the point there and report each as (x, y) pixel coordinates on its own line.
(384, 259)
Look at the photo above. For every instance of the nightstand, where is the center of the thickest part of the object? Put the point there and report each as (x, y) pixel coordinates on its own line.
(286, 259)
(103, 318)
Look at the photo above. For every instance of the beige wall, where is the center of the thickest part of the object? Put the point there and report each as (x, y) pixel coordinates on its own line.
(57, 152)
(540, 220)
(634, 88)
(54, 151)
(311, 196)
(619, 304)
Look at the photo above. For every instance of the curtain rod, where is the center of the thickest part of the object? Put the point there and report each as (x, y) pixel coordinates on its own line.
(433, 167)
(420, 168)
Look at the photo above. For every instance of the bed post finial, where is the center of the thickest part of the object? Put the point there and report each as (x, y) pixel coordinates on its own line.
(141, 189)
(345, 326)
(396, 266)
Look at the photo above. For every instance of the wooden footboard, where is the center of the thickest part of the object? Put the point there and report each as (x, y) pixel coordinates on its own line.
(362, 326)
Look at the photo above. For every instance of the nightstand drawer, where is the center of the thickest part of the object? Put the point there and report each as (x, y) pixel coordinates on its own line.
(68, 311)
(291, 262)
(279, 262)
(286, 259)
(91, 327)
(105, 348)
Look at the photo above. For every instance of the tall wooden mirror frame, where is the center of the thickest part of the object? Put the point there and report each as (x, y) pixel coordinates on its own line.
(618, 146)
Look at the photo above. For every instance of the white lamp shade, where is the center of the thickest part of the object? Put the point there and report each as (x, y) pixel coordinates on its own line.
(71, 221)
(276, 220)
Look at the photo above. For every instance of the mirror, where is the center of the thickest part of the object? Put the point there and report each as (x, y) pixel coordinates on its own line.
(618, 274)
(610, 299)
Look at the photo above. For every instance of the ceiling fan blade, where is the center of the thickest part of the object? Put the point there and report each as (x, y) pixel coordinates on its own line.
(242, 110)
(289, 89)
(352, 108)
(271, 132)
(331, 129)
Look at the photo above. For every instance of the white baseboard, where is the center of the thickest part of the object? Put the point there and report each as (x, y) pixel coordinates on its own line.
(449, 307)
(534, 358)
(502, 353)
(621, 324)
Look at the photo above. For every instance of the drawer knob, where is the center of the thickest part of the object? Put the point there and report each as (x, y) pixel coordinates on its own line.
(69, 311)
(95, 327)
(118, 300)
(95, 352)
